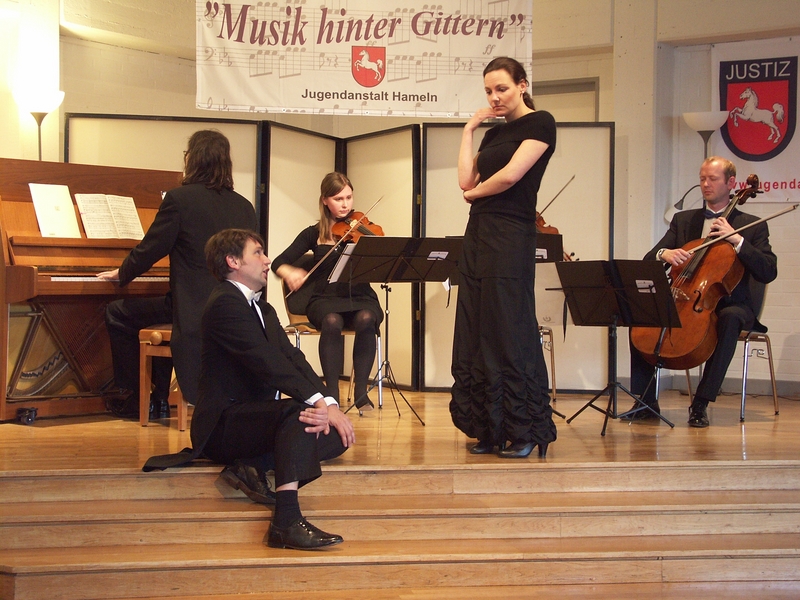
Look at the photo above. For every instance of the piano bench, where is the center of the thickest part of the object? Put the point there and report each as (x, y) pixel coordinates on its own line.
(154, 341)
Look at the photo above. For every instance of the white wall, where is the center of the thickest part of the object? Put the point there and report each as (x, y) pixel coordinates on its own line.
(649, 56)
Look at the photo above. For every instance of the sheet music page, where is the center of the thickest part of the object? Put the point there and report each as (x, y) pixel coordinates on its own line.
(126, 218)
(341, 263)
(96, 216)
(54, 210)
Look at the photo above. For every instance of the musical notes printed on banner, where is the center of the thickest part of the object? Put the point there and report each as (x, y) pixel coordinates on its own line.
(262, 63)
(399, 67)
(428, 67)
(290, 63)
(402, 33)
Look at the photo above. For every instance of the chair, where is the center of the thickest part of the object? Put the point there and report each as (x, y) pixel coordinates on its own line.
(546, 339)
(154, 341)
(758, 334)
(299, 324)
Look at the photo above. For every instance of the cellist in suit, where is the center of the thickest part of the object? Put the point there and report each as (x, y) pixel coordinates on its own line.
(736, 311)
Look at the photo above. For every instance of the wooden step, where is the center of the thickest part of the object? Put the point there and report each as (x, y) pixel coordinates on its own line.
(762, 590)
(357, 518)
(174, 570)
(521, 477)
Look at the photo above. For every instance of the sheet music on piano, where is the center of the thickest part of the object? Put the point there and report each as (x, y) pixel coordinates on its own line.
(54, 210)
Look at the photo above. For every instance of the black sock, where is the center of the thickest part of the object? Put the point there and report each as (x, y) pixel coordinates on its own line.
(699, 404)
(287, 508)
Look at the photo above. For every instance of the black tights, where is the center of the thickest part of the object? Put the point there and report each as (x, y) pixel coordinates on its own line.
(331, 349)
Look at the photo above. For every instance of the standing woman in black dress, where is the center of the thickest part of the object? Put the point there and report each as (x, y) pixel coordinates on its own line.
(334, 306)
(500, 391)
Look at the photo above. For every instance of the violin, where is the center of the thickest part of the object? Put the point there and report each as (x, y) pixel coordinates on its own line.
(352, 227)
(697, 286)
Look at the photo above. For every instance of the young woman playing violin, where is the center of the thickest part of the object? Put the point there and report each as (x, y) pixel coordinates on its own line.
(333, 306)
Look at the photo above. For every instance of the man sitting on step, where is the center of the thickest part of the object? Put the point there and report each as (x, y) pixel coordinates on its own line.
(246, 359)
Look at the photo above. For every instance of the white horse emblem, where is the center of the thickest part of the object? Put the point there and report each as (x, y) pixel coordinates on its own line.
(365, 63)
(751, 112)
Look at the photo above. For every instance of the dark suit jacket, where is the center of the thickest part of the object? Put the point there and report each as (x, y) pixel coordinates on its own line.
(756, 254)
(186, 219)
(243, 362)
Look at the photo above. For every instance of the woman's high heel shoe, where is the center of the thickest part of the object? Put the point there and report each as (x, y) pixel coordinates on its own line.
(543, 450)
(523, 450)
(364, 404)
(520, 450)
(482, 448)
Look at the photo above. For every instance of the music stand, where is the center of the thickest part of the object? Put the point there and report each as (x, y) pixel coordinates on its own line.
(385, 260)
(613, 293)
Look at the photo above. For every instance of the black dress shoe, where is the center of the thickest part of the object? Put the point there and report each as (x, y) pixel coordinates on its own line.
(300, 535)
(482, 448)
(124, 404)
(159, 409)
(519, 450)
(364, 404)
(642, 413)
(253, 482)
(698, 417)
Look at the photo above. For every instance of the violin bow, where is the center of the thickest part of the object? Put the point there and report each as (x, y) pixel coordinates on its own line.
(353, 225)
(743, 227)
(557, 195)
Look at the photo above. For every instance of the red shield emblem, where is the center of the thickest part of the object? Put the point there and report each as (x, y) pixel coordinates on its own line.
(368, 65)
(761, 99)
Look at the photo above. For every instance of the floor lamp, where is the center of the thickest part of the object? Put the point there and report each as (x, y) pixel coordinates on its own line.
(704, 123)
(40, 105)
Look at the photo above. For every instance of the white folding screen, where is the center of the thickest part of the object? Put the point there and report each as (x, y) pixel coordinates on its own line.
(382, 165)
(386, 164)
(149, 143)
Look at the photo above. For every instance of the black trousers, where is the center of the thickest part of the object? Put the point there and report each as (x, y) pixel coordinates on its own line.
(731, 320)
(501, 389)
(124, 319)
(270, 430)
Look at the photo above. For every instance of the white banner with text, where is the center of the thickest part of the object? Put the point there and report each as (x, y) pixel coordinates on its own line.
(347, 57)
(756, 83)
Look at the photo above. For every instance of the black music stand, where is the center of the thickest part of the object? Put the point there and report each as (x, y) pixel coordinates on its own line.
(612, 293)
(384, 260)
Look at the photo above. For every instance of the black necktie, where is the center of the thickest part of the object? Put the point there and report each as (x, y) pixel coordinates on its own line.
(709, 214)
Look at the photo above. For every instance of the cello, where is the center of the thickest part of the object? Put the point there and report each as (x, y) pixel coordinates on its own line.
(712, 272)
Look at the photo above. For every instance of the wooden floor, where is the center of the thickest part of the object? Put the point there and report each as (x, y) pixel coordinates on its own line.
(646, 511)
(386, 439)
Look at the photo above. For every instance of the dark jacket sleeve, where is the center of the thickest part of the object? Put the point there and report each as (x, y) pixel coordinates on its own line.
(757, 256)
(156, 244)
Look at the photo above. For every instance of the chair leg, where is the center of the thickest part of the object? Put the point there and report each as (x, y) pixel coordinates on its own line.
(145, 380)
(183, 410)
(546, 331)
(745, 362)
(772, 374)
(689, 384)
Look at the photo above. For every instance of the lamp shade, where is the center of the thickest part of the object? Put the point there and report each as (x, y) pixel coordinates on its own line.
(706, 121)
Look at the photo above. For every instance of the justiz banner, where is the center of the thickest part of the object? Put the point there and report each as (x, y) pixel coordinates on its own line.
(756, 83)
(355, 57)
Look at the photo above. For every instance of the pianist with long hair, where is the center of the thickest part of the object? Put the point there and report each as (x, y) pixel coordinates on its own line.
(189, 215)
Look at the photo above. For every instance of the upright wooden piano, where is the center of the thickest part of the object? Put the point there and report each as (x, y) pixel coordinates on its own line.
(55, 350)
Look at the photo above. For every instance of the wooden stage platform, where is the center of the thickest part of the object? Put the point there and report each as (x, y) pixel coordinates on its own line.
(645, 511)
